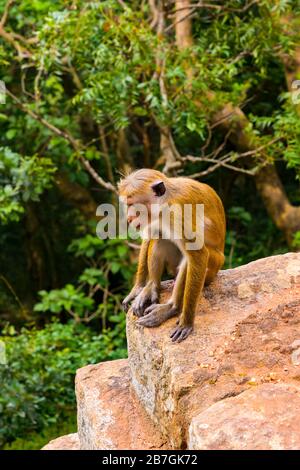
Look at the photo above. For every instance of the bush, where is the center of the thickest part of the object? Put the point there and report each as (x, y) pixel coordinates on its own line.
(37, 440)
(37, 381)
(98, 292)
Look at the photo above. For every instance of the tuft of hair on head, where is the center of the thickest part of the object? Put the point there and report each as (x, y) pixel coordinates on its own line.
(139, 181)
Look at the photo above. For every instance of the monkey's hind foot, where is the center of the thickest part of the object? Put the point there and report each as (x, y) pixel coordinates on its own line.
(156, 314)
(180, 333)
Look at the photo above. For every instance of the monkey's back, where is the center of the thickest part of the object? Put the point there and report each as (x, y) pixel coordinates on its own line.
(188, 191)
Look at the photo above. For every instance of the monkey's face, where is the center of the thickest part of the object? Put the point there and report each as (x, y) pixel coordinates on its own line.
(142, 200)
(143, 207)
(138, 212)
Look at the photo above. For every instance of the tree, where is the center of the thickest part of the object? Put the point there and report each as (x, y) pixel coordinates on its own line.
(94, 88)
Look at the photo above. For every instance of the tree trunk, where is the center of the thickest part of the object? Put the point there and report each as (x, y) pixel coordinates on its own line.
(36, 259)
(78, 196)
(123, 153)
(183, 25)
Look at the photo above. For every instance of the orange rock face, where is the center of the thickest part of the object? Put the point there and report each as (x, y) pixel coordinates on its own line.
(109, 416)
(68, 442)
(246, 334)
(262, 418)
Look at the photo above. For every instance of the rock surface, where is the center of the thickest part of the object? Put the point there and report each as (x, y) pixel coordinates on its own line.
(233, 384)
(263, 418)
(68, 442)
(109, 416)
(247, 333)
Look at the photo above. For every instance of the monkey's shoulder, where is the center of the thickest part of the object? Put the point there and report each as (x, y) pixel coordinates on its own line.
(192, 189)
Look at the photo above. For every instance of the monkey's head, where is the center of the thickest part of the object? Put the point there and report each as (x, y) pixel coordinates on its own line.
(146, 187)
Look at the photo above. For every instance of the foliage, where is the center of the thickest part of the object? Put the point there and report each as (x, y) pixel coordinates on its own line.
(38, 380)
(80, 301)
(97, 63)
(296, 241)
(37, 440)
(21, 179)
(250, 237)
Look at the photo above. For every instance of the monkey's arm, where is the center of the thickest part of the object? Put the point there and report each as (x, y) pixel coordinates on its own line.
(142, 270)
(150, 293)
(141, 275)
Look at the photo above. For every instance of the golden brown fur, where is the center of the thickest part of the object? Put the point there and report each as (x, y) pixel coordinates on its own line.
(195, 267)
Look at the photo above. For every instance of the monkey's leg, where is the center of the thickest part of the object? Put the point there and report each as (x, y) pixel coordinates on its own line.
(141, 276)
(155, 315)
(215, 263)
(195, 277)
(150, 293)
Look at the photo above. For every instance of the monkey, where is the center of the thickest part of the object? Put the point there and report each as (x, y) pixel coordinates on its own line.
(192, 268)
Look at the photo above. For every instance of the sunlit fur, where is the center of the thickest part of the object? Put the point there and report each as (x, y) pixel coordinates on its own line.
(139, 182)
(196, 267)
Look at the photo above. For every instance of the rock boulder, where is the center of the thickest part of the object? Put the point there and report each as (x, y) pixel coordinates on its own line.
(262, 418)
(109, 415)
(68, 442)
(246, 334)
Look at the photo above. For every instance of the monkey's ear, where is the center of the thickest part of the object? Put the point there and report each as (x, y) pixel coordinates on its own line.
(159, 188)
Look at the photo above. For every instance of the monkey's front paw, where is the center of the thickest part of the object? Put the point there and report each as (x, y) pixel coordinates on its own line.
(140, 304)
(130, 297)
(126, 305)
(180, 333)
(144, 299)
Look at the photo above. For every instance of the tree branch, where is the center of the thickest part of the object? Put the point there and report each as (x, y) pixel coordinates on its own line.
(217, 164)
(12, 38)
(5, 13)
(76, 144)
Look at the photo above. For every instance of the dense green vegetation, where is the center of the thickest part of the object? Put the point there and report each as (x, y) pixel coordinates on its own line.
(37, 387)
(94, 88)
